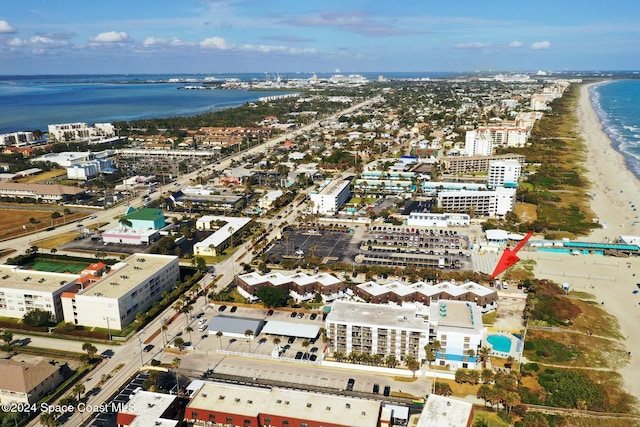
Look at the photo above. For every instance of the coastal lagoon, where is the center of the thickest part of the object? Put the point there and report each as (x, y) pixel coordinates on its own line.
(35, 102)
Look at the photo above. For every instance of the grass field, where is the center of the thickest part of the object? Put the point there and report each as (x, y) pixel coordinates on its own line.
(15, 220)
(59, 267)
(44, 176)
(57, 241)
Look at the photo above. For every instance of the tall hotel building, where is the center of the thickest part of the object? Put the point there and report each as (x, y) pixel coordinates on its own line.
(331, 198)
(504, 173)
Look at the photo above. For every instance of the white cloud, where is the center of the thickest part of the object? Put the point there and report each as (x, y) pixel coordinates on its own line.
(541, 45)
(516, 43)
(5, 27)
(474, 45)
(216, 43)
(41, 40)
(156, 41)
(16, 42)
(277, 49)
(111, 37)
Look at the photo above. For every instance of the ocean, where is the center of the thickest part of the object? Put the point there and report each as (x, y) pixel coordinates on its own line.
(618, 106)
(33, 102)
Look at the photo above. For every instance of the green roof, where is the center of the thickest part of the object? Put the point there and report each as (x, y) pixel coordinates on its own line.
(145, 214)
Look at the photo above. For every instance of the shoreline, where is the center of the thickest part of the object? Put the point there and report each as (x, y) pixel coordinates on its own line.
(610, 280)
(614, 187)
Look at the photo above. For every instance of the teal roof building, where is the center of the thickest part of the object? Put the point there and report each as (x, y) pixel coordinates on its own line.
(145, 218)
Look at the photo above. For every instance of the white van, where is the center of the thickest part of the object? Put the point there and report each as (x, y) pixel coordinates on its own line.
(504, 285)
(203, 327)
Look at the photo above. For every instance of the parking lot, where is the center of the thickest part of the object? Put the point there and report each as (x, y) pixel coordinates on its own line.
(108, 418)
(334, 245)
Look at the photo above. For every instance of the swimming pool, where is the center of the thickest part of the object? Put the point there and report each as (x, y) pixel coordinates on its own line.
(500, 343)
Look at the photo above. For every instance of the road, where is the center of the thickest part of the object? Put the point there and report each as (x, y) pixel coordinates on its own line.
(128, 357)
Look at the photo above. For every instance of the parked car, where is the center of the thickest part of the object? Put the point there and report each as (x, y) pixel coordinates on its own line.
(291, 340)
(313, 316)
(313, 357)
(294, 314)
(233, 309)
(300, 315)
(376, 389)
(222, 308)
(269, 313)
(350, 383)
(148, 348)
(298, 355)
(387, 390)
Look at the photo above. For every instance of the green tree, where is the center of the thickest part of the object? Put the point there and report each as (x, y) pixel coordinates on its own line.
(90, 349)
(189, 329)
(38, 317)
(483, 354)
(179, 342)
(412, 364)
(248, 333)
(48, 419)
(271, 296)
(7, 337)
(305, 345)
(201, 264)
(123, 221)
(443, 389)
(175, 364)
(79, 389)
(219, 334)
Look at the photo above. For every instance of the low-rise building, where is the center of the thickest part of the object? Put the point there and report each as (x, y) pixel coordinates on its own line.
(225, 226)
(424, 293)
(48, 193)
(428, 219)
(147, 408)
(446, 411)
(240, 405)
(496, 202)
(131, 287)
(24, 290)
(301, 287)
(23, 382)
(469, 164)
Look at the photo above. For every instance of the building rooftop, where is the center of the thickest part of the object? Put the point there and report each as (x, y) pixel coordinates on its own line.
(23, 377)
(334, 187)
(146, 409)
(16, 278)
(252, 401)
(402, 289)
(127, 274)
(235, 325)
(406, 316)
(145, 214)
(277, 278)
(224, 232)
(445, 412)
(456, 315)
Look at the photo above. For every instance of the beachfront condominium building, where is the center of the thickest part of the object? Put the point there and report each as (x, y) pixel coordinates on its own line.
(22, 291)
(466, 164)
(504, 135)
(405, 330)
(427, 219)
(385, 330)
(331, 198)
(131, 287)
(496, 202)
(504, 173)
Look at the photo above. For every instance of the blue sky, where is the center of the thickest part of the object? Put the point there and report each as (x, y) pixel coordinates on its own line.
(222, 36)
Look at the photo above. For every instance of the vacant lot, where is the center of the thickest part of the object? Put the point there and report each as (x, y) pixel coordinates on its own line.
(17, 221)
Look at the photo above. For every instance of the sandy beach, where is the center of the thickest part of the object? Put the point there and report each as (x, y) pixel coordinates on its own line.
(611, 280)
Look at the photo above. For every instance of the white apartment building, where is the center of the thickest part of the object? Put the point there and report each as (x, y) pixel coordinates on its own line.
(477, 144)
(385, 330)
(331, 198)
(404, 330)
(496, 202)
(504, 173)
(427, 219)
(505, 136)
(457, 325)
(80, 131)
(131, 287)
(16, 139)
(24, 290)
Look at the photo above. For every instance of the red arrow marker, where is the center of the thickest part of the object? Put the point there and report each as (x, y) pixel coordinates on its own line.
(509, 257)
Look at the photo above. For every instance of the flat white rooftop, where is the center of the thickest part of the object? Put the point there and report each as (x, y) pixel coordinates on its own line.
(128, 274)
(12, 277)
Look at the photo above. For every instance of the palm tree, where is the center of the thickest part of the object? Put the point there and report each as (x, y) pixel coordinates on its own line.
(483, 354)
(175, 363)
(391, 361)
(79, 389)
(509, 362)
(48, 419)
(189, 329)
(412, 364)
(123, 221)
(305, 345)
(53, 252)
(90, 349)
(219, 334)
(248, 333)
(276, 341)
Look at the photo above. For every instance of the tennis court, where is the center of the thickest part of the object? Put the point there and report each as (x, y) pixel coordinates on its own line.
(59, 267)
